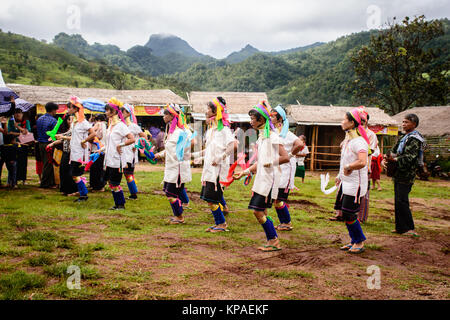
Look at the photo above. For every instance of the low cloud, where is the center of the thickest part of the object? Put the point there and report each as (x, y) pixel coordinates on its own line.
(212, 27)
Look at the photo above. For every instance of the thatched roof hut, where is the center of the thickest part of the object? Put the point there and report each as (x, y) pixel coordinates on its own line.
(332, 116)
(322, 127)
(434, 125)
(40, 95)
(433, 121)
(238, 103)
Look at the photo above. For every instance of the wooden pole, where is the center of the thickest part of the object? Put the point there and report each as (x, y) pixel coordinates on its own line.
(317, 142)
(313, 153)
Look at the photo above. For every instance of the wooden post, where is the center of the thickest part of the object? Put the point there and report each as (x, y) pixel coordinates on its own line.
(382, 144)
(313, 148)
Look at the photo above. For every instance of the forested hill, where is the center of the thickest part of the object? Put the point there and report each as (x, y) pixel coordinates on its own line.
(29, 61)
(317, 76)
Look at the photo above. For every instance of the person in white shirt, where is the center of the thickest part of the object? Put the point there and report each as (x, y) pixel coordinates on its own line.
(130, 152)
(373, 152)
(219, 145)
(270, 155)
(292, 144)
(301, 155)
(352, 178)
(82, 132)
(118, 136)
(177, 170)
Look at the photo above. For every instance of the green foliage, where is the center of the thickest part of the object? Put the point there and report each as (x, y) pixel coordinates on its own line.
(399, 68)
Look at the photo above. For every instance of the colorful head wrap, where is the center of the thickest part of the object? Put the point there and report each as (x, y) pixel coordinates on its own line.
(358, 114)
(264, 111)
(130, 110)
(177, 121)
(74, 100)
(116, 105)
(222, 116)
(285, 128)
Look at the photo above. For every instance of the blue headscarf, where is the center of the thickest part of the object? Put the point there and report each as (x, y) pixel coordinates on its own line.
(282, 113)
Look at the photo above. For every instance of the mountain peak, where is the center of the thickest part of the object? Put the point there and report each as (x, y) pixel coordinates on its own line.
(164, 43)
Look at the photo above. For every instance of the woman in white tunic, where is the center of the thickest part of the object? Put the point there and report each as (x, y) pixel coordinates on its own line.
(220, 143)
(292, 144)
(270, 155)
(352, 178)
(117, 136)
(130, 152)
(177, 169)
(82, 132)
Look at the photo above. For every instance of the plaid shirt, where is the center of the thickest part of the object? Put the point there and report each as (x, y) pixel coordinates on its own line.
(44, 124)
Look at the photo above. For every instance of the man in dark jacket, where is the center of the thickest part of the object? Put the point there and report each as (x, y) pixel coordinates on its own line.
(408, 155)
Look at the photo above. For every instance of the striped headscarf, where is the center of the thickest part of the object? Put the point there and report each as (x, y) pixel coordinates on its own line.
(177, 121)
(130, 110)
(74, 100)
(263, 109)
(222, 116)
(282, 113)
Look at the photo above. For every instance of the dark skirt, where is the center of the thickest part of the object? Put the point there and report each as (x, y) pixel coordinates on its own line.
(22, 163)
(347, 205)
(260, 203)
(97, 174)
(67, 185)
(300, 171)
(76, 169)
(129, 170)
(114, 176)
(212, 193)
(172, 191)
(283, 194)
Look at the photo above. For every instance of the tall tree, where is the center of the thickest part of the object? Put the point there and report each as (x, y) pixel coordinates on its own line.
(399, 70)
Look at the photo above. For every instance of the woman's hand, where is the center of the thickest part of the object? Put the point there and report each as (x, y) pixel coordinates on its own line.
(337, 181)
(119, 149)
(347, 170)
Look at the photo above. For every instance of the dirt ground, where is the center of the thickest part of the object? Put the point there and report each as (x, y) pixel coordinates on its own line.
(178, 267)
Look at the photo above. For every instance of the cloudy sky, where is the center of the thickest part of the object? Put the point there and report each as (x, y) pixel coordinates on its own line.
(212, 27)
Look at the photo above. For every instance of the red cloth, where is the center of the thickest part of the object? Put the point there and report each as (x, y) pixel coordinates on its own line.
(39, 167)
(375, 167)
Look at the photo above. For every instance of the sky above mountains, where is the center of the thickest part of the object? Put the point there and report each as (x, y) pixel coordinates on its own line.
(211, 27)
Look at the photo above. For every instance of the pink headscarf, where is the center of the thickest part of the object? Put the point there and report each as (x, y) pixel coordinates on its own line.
(359, 114)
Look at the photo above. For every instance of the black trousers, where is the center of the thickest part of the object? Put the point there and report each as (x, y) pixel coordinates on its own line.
(48, 177)
(67, 185)
(97, 174)
(22, 162)
(403, 217)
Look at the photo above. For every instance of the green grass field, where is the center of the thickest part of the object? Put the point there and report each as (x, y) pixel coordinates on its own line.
(136, 254)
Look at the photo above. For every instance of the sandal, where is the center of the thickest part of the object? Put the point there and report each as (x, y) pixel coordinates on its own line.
(283, 228)
(175, 221)
(268, 248)
(218, 229)
(356, 250)
(411, 233)
(210, 228)
(346, 247)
